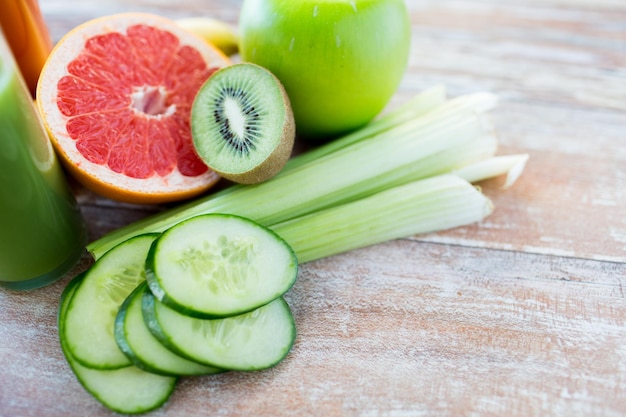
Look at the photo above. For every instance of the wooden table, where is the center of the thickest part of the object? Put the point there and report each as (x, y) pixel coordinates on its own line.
(523, 314)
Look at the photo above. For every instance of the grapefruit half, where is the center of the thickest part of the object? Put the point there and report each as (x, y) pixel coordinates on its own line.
(115, 96)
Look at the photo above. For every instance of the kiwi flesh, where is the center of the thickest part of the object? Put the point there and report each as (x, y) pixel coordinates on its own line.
(242, 124)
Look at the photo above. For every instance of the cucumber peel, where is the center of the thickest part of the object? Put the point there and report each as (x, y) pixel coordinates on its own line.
(252, 341)
(143, 349)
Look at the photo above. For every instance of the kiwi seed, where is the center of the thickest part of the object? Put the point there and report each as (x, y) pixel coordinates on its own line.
(242, 124)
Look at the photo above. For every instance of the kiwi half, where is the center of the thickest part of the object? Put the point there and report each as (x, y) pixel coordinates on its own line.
(242, 124)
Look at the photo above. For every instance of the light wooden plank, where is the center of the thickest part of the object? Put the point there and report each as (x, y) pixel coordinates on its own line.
(542, 51)
(521, 315)
(570, 200)
(404, 328)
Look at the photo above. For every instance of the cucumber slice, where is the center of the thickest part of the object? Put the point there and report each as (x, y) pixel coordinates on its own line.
(66, 296)
(219, 265)
(126, 390)
(143, 349)
(90, 316)
(252, 341)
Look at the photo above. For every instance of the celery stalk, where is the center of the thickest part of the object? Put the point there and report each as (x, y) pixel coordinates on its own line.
(416, 107)
(433, 204)
(511, 165)
(449, 137)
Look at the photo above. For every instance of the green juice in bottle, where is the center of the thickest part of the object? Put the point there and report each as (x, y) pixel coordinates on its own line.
(42, 232)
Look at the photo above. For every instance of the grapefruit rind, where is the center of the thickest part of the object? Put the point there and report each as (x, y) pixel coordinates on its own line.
(100, 178)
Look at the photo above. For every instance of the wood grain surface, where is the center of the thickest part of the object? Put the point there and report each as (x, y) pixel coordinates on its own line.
(523, 314)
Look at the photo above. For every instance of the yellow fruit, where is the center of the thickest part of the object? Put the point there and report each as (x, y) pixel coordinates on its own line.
(220, 34)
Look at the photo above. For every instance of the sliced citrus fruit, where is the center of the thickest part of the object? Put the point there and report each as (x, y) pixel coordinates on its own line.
(115, 95)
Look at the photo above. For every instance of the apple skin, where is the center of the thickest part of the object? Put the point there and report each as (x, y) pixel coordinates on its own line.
(340, 61)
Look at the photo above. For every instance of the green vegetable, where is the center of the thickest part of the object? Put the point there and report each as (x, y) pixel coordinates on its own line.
(90, 315)
(219, 265)
(127, 348)
(432, 204)
(406, 146)
(145, 351)
(248, 342)
(127, 390)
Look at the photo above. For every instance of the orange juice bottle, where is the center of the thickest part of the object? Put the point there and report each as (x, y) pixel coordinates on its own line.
(27, 35)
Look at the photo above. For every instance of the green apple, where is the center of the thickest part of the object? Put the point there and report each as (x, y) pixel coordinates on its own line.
(340, 61)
